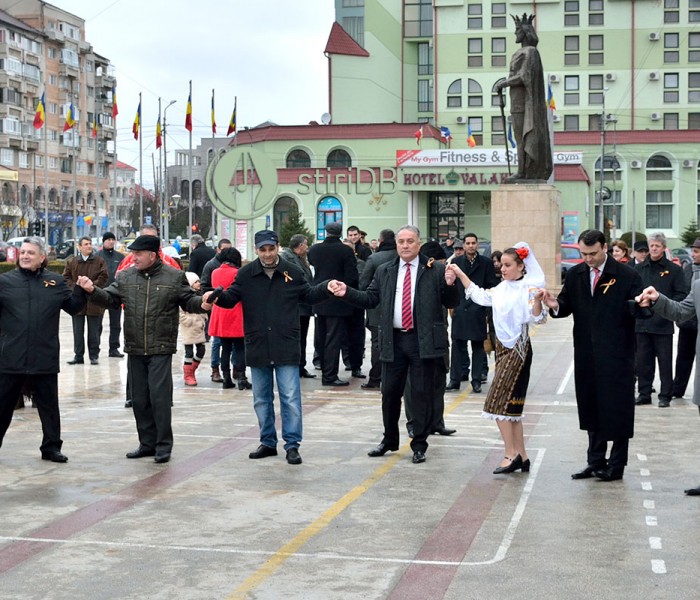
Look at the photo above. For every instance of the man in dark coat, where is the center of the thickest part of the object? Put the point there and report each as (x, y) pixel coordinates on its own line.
(31, 300)
(386, 251)
(271, 290)
(362, 251)
(469, 318)
(200, 254)
(600, 294)
(112, 259)
(414, 336)
(89, 265)
(655, 335)
(332, 259)
(687, 330)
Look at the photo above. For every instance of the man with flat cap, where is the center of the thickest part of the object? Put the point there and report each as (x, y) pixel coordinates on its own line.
(151, 293)
(271, 289)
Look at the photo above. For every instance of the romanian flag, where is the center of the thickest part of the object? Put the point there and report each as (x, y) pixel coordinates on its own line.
(550, 98)
(159, 134)
(115, 110)
(70, 118)
(232, 122)
(511, 139)
(419, 135)
(470, 137)
(40, 116)
(137, 123)
(188, 116)
(93, 131)
(213, 118)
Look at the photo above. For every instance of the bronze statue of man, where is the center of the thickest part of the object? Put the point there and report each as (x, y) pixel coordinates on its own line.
(528, 106)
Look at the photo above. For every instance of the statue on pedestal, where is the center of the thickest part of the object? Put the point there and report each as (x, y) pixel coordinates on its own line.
(528, 106)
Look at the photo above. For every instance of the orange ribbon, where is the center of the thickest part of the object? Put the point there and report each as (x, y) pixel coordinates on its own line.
(607, 285)
(49, 282)
(287, 277)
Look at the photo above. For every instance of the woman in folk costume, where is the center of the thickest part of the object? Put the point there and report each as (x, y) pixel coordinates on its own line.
(516, 303)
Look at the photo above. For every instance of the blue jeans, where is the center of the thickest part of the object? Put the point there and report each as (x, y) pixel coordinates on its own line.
(216, 353)
(289, 391)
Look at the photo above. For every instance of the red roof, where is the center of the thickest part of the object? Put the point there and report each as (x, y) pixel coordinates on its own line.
(571, 173)
(340, 42)
(124, 167)
(648, 136)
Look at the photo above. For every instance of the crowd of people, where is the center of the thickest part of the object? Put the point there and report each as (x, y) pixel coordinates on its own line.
(413, 298)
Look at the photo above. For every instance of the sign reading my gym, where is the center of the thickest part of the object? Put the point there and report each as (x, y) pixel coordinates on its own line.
(472, 157)
(242, 183)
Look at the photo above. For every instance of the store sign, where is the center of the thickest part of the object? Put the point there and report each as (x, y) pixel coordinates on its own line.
(424, 179)
(473, 157)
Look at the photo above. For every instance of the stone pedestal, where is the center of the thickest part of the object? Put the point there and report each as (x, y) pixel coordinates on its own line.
(529, 213)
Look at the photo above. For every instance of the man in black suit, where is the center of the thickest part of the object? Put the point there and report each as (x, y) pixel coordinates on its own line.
(655, 335)
(410, 292)
(687, 330)
(200, 254)
(469, 319)
(600, 294)
(332, 259)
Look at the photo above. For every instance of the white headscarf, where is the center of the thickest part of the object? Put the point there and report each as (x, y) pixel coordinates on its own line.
(511, 300)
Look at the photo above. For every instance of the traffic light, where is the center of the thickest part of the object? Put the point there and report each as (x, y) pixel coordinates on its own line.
(195, 228)
(36, 230)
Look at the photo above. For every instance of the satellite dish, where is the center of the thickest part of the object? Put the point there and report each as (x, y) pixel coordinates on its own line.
(326, 118)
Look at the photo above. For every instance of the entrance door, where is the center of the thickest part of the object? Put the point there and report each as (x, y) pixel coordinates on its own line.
(329, 210)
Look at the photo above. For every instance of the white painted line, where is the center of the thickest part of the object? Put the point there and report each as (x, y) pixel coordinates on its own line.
(644, 472)
(565, 380)
(641, 457)
(651, 521)
(655, 543)
(646, 486)
(658, 566)
(649, 504)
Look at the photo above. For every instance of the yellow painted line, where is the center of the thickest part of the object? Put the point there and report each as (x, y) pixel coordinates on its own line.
(317, 526)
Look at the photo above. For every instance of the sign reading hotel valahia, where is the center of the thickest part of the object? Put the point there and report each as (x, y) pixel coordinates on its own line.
(472, 157)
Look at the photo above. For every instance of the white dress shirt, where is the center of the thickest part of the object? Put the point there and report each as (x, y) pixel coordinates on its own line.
(398, 298)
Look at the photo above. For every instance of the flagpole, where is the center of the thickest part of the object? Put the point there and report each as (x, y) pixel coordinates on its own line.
(98, 225)
(114, 167)
(140, 130)
(212, 228)
(46, 171)
(74, 165)
(160, 179)
(189, 232)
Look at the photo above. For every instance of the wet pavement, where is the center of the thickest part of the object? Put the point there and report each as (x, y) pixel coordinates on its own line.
(214, 524)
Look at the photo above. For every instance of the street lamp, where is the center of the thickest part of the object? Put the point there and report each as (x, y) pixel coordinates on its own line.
(601, 216)
(175, 200)
(164, 226)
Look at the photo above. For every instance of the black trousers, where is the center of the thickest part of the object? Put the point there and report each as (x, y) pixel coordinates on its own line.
(649, 347)
(407, 361)
(439, 384)
(45, 394)
(115, 327)
(375, 371)
(685, 357)
(459, 353)
(151, 387)
(332, 332)
(238, 346)
(598, 447)
(94, 327)
(304, 321)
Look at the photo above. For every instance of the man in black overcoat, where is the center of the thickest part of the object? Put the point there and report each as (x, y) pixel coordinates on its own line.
(604, 311)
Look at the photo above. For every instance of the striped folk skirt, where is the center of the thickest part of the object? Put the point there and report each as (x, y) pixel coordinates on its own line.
(506, 397)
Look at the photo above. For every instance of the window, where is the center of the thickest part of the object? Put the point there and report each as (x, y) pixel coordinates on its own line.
(595, 89)
(693, 87)
(38, 160)
(671, 87)
(475, 49)
(571, 13)
(477, 126)
(671, 54)
(671, 13)
(11, 65)
(571, 90)
(10, 96)
(454, 94)
(70, 57)
(53, 80)
(338, 158)
(23, 160)
(298, 159)
(612, 209)
(282, 210)
(670, 121)
(52, 53)
(53, 163)
(570, 122)
(495, 100)
(7, 157)
(355, 26)
(425, 98)
(595, 49)
(594, 122)
(31, 72)
(474, 18)
(425, 59)
(595, 12)
(498, 15)
(659, 168)
(498, 52)
(418, 18)
(694, 47)
(498, 139)
(693, 120)
(353, 3)
(90, 91)
(659, 209)
(10, 125)
(571, 50)
(474, 93)
(693, 11)
(446, 215)
(53, 108)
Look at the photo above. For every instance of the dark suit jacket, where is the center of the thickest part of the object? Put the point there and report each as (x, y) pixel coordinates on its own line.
(385, 253)
(667, 278)
(332, 259)
(469, 318)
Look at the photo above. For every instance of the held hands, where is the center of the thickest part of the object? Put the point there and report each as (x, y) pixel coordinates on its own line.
(455, 271)
(337, 288)
(547, 299)
(647, 296)
(450, 275)
(86, 284)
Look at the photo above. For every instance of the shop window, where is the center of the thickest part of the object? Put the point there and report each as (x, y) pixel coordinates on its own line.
(329, 209)
(298, 159)
(338, 158)
(454, 94)
(281, 211)
(446, 216)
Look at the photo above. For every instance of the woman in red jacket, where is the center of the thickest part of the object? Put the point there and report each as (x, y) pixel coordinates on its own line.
(227, 323)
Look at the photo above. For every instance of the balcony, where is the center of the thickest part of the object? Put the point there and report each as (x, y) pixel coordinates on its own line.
(108, 157)
(67, 70)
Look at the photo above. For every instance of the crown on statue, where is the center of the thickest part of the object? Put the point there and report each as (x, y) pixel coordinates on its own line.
(524, 20)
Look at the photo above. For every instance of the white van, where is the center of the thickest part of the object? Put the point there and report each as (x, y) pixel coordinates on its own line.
(17, 241)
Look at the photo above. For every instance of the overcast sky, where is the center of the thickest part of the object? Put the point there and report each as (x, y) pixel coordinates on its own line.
(268, 53)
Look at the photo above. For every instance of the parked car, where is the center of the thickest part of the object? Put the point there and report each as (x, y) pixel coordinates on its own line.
(683, 255)
(65, 249)
(570, 257)
(484, 247)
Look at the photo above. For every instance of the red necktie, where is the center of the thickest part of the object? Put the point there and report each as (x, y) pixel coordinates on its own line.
(596, 277)
(406, 313)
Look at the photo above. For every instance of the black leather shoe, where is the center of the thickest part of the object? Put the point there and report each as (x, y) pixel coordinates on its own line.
(140, 452)
(54, 456)
(641, 401)
(162, 458)
(263, 452)
(335, 383)
(357, 374)
(452, 386)
(76, 361)
(476, 386)
(664, 403)
(693, 491)
(445, 431)
(418, 457)
(94, 361)
(293, 457)
(371, 385)
(609, 474)
(515, 464)
(381, 450)
(128, 404)
(306, 375)
(115, 354)
(586, 473)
